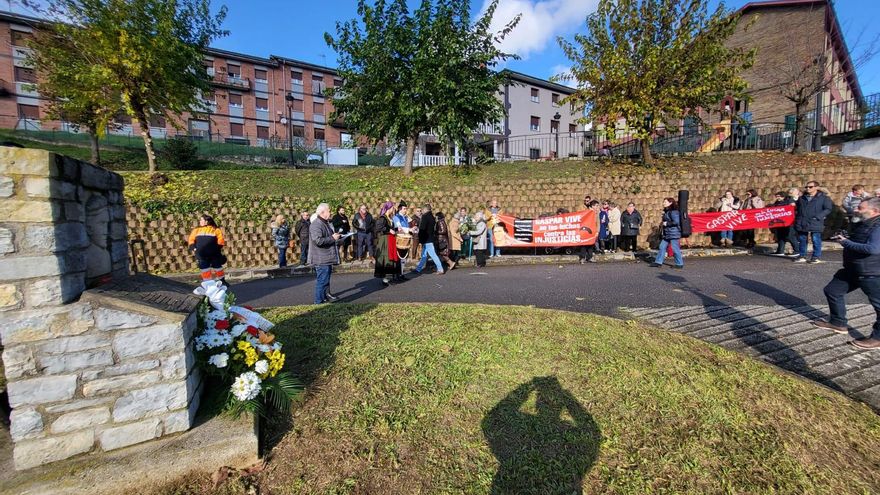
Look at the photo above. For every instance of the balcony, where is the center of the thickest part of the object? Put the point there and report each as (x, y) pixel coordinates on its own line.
(318, 118)
(231, 81)
(26, 89)
(236, 111)
(262, 114)
(319, 88)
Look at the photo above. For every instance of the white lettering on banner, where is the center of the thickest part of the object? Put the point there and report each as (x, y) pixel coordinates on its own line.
(729, 219)
(556, 228)
(772, 214)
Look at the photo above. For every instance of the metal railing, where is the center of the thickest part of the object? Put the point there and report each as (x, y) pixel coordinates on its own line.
(248, 148)
(584, 144)
(850, 115)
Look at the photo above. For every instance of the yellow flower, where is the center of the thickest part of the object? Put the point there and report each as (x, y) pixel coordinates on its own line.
(250, 354)
(276, 362)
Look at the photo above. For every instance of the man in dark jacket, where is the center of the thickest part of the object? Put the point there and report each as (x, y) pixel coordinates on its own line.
(813, 207)
(302, 231)
(861, 270)
(363, 226)
(427, 227)
(784, 234)
(322, 252)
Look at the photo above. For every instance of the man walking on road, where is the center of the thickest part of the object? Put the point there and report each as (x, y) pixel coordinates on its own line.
(323, 253)
(427, 236)
(809, 221)
(861, 270)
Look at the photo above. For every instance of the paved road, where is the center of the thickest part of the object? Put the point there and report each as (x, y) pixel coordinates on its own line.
(595, 288)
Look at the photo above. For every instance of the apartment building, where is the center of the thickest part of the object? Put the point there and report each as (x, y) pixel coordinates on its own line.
(787, 34)
(256, 101)
(269, 101)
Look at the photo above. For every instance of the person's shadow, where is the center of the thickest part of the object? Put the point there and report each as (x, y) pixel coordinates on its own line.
(547, 452)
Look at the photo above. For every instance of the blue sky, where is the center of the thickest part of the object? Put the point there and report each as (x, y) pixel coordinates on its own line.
(295, 29)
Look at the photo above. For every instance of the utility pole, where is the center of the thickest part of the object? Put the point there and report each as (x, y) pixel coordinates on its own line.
(289, 98)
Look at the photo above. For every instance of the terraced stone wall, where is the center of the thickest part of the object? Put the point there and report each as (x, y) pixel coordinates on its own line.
(250, 244)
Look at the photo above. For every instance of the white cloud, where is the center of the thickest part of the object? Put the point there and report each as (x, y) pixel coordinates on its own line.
(563, 71)
(542, 21)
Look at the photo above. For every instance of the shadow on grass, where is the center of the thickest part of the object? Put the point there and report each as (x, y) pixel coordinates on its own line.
(310, 340)
(544, 453)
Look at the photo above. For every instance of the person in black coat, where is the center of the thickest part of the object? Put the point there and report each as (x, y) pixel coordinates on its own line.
(363, 225)
(427, 237)
(813, 207)
(302, 231)
(630, 223)
(342, 226)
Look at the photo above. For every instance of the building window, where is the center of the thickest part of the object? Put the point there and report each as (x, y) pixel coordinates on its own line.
(25, 75)
(261, 75)
(534, 153)
(298, 106)
(554, 126)
(296, 76)
(233, 70)
(535, 95)
(554, 98)
(234, 100)
(236, 130)
(535, 124)
(262, 103)
(157, 121)
(345, 138)
(337, 83)
(28, 112)
(319, 134)
(262, 132)
(199, 128)
(209, 96)
(572, 128)
(20, 38)
(299, 131)
(318, 108)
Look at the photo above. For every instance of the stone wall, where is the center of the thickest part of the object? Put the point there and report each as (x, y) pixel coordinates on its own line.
(101, 369)
(249, 243)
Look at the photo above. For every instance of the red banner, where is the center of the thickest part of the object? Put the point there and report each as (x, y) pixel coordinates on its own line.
(761, 218)
(569, 229)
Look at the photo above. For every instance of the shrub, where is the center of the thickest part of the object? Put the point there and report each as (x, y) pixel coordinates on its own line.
(182, 154)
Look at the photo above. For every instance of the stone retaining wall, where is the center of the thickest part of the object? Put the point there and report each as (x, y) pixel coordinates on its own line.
(249, 243)
(85, 371)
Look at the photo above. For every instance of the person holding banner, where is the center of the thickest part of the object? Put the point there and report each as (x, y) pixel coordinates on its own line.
(588, 251)
(670, 234)
(728, 202)
(783, 234)
(753, 202)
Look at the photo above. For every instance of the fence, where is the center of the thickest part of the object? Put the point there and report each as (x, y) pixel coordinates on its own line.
(850, 115)
(725, 137)
(210, 145)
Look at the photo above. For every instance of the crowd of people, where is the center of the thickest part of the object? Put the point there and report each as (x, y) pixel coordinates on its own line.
(396, 235)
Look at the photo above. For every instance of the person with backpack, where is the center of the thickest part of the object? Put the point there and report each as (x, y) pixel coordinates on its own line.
(670, 234)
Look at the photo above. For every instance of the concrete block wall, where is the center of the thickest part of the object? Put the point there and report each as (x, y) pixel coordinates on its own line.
(249, 243)
(84, 371)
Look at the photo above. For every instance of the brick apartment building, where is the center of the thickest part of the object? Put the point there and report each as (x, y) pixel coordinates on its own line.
(258, 101)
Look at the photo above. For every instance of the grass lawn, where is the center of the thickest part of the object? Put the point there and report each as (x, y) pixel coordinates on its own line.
(408, 398)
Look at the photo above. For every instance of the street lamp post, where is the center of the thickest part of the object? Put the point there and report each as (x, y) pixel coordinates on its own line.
(556, 118)
(289, 98)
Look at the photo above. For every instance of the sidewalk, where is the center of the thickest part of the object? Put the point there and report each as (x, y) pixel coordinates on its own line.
(245, 274)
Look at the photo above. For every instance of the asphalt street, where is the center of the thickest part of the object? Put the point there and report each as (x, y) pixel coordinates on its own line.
(599, 288)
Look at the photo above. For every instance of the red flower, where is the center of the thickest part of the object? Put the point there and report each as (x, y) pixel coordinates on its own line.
(253, 330)
(248, 307)
(222, 325)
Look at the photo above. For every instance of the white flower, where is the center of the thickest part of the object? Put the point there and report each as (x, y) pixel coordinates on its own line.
(219, 360)
(238, 329)
(261, 366)
(246, 386)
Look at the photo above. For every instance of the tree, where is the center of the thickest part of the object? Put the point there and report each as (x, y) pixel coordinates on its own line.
(76, 90)
(407, 73)
(652, 62)
(149, 51)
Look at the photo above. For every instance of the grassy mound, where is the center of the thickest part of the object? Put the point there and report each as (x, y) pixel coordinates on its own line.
(483, 399)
